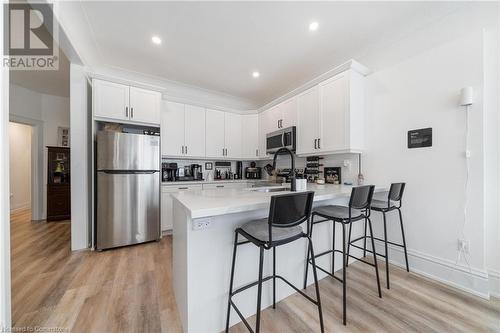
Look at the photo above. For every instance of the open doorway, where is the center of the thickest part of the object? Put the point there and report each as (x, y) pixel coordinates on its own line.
(21, 167)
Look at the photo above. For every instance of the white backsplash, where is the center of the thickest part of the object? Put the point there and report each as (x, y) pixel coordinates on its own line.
(206, 173)
(349, 172)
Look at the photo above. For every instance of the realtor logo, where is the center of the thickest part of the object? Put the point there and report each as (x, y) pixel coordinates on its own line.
(29, 37)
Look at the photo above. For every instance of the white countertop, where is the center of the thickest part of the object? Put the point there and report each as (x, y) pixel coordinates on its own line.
(207, 203)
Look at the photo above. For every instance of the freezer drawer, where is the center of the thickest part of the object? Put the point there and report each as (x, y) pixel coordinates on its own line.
(126, 151)
(128, 208)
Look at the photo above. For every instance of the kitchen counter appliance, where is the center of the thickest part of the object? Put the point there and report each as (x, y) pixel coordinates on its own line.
(284, 138)
(168, 171)
(128, 189)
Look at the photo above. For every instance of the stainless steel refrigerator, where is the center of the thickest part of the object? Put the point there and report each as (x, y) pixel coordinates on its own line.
(128, 189)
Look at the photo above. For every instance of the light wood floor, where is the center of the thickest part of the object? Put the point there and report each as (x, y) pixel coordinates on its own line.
(129, 290)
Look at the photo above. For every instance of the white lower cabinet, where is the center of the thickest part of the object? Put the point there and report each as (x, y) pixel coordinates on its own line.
(167, 214)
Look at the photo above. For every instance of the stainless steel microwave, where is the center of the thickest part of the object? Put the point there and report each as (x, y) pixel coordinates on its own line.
(284, 138)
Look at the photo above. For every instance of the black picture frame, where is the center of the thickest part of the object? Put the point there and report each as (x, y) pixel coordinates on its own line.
(420, 138)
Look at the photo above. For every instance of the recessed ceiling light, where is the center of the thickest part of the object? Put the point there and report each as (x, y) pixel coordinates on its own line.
(255, 74)
(156, 40)
(313, 26)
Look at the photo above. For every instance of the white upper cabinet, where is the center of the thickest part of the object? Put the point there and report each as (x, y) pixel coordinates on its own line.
(110, 100)
(334, 109)
(250, 136)
(288, 110)
(172, 129)
(342, 113)
(308, 121)
(214, 134)
(145, 105)
(331, 116)
(194, 131)
(233, 135)
(182, 130)
(121, 102)
(272, 119)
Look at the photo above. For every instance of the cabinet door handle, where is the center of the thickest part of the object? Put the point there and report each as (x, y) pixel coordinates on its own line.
(182, 148)
(126, 112)
(319, 143)
(256, 152)
(315, 143)
(186, 149)
(182, 188)
(131, 112)
(219, 186)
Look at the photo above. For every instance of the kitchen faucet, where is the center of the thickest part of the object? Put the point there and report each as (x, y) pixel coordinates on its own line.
(269, 169)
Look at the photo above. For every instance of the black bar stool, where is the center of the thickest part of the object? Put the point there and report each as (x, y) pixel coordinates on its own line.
(358, 210)
(394, 200)
(286, 213)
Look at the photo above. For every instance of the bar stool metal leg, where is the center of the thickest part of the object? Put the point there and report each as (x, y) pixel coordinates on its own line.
(259, 290)
(344, 280)
(316, 285)
(364, 242)
(308, 252)
(231, 280)
(386, 251)
(374, 257)
(333, 247)
(274, 277)
(348, 245)
(404, 240)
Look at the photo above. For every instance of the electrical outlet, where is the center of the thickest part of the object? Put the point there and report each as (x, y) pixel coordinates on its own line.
(201, 224)
(464, 246)
(467, 154)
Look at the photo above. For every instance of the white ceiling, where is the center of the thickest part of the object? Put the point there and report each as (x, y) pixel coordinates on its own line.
(217, 45)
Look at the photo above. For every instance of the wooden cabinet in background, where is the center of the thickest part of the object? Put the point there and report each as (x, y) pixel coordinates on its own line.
(58, 184)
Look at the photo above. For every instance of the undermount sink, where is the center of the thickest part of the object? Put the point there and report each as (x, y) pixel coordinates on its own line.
(270, 189)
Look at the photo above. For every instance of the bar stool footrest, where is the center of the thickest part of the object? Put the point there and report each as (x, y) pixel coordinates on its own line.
(245, 287)
(376, 238)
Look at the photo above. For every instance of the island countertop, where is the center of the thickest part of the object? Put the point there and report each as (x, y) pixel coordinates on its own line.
(206, 203)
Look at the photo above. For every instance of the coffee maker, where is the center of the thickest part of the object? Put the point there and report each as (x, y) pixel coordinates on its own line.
(196, 172)
(168, 172)
(239, 170)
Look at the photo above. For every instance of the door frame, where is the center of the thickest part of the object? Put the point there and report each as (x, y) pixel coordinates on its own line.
(5, 289)
(37, 152)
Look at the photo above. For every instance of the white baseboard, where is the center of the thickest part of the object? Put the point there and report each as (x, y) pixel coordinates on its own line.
(473, 280)
(20, 207)
(494, 277)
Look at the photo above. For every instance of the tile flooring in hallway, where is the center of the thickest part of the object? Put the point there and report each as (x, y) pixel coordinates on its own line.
(129, 290)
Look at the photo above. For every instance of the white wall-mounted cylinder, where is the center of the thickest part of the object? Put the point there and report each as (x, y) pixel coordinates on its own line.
(466, 96)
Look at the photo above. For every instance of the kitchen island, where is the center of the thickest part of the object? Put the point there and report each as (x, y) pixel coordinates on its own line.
(203, 236)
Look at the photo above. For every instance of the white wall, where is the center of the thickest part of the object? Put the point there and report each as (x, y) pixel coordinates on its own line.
(80, 160)
(52, 111)
(422, 90)
(20, 166)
